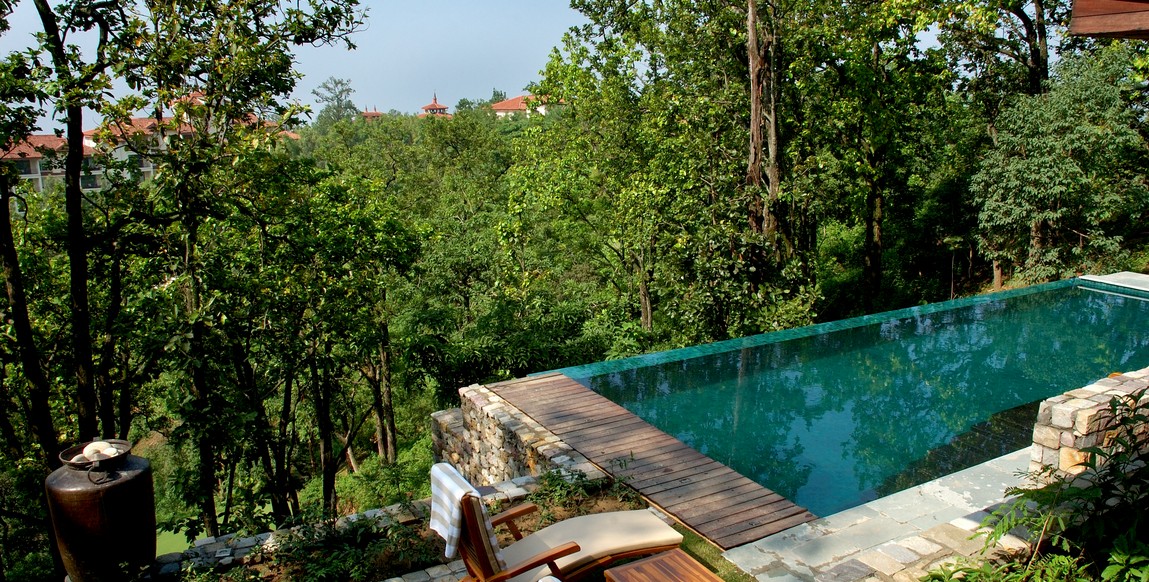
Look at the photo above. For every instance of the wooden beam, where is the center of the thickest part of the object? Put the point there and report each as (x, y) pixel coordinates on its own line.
(1110, 18)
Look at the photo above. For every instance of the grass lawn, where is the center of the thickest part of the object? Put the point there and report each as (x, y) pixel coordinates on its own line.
(709, 555)
(168, 542)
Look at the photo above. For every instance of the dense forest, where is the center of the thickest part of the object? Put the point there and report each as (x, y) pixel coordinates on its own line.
(274, 315)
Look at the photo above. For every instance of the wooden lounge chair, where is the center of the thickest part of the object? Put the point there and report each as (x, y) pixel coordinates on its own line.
(568, 550)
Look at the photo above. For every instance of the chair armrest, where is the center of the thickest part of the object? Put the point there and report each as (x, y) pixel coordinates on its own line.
(509, 516)
(547, 557)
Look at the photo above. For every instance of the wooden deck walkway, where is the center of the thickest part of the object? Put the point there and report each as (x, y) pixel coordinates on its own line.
(705, 495)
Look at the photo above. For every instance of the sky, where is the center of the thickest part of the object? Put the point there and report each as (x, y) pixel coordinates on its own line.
(409, 52)
(455, 49)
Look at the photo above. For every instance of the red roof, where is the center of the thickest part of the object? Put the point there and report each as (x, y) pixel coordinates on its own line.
(434, 106)
(371, 114)
(33, 147)
(136, 126)
(513, 104)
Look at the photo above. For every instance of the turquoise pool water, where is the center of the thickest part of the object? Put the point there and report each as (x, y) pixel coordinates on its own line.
(837, 414)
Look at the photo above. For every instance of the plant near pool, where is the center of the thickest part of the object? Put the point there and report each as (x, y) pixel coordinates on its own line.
(360, 550)
(1083, 527)
(565, 489)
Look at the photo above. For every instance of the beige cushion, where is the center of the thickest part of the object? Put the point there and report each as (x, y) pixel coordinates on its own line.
(599, 535)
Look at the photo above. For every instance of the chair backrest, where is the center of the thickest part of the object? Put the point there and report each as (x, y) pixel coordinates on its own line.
(478, 544)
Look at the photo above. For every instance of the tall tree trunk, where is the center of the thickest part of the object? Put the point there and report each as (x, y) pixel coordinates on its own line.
(646, 304)
(205, 442)
(201, 388)
(391, 431)
(1036, 243)
(281, 491)
(764, 132)
(378, 376)
(872, 260)
(382, 396)
(40, 413)
(104, 383)
(757, 64)
(261, 432)
(78, 278)
(322, 388)
(1037, 45)
(77, 243)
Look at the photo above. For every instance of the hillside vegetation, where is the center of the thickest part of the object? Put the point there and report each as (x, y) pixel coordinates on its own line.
(273, 317)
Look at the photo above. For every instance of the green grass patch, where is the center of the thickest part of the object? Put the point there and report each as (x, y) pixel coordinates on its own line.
(168, 542)
(710, 556)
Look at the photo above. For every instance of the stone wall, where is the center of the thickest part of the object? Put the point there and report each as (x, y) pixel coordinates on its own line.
(491, 441)
(1079, 419)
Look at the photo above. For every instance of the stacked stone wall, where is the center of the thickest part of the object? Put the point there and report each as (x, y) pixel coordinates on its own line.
(491, 441)
(1069, 423)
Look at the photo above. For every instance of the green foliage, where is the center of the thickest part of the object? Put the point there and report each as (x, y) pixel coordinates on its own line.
(1059, 191)
(1086, 526)
(261, 302)
(379, 484)
(1054, 568)
(356, 551)
(559, 488)
(25, 556)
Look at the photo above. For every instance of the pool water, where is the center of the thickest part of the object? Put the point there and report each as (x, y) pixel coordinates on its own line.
(834, 415)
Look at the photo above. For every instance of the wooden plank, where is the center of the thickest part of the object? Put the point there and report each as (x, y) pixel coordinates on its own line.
(1132, 25)
(758, 530)
(705, 495)
(656, 462)
(591, 432)
(608, 444)
(652, 477)
(619, 446)
(738, 498)
(673, 565)
(542, 395)
(731, 519)
(530, 380)
(755, 534)
(1111, 18)
(1104, 7)
(705, 483)
(578, 425)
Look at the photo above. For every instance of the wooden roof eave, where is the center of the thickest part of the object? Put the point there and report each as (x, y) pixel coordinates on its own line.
(1110, 18)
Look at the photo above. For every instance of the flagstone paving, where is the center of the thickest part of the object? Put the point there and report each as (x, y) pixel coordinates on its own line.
(896, 538)
(899, 537)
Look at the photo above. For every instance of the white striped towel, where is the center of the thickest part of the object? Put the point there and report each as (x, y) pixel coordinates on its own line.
(447, 490)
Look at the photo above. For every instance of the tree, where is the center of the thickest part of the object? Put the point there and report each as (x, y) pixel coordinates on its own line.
(220, 69)
(335, 96)
(1058, 193)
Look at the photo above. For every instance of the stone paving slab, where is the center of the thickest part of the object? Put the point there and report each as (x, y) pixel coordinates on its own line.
(1122, 279)
(899, 537)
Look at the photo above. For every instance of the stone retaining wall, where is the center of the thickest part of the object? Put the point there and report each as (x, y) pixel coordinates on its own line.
(491, 441)
(1079, 419)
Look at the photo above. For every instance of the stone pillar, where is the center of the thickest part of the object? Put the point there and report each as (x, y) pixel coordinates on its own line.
(1079, 419)
(491, 441)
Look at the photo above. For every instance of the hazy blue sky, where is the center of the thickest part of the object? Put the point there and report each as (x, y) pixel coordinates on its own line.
(456, 48)
(409, 51)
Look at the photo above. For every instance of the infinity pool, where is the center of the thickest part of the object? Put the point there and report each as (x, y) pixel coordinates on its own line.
(834, 415)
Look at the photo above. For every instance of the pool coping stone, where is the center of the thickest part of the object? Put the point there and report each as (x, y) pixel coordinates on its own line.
(898, 537)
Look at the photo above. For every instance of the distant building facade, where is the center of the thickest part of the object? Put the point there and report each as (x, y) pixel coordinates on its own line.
(521, 105)
(435, 109)
(40, 161)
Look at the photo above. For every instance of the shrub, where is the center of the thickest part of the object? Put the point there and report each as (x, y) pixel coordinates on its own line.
(359, 550)
(1084, 527)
